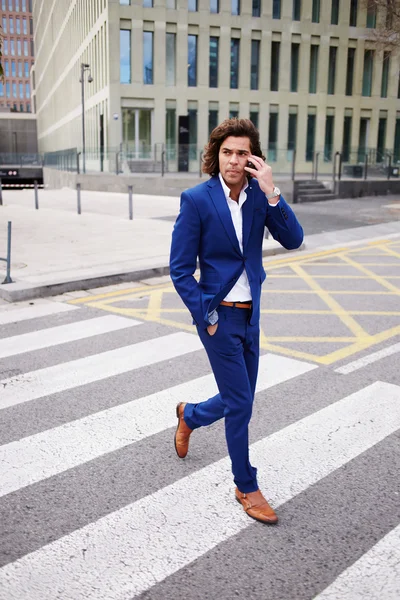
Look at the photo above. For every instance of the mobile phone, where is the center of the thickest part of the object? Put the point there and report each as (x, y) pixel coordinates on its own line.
(250, 165)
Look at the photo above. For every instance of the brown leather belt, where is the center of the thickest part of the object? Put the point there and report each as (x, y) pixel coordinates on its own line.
(237, 304)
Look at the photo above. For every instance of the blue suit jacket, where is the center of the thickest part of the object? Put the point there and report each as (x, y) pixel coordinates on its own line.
(204, 230)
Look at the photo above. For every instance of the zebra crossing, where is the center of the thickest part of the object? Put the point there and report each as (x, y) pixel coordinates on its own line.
(174, 513)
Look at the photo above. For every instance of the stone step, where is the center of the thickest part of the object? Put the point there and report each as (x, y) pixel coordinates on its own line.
(313, 190)
(316, 197)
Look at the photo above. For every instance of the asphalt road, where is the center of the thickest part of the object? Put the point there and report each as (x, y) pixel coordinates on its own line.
(94, 503)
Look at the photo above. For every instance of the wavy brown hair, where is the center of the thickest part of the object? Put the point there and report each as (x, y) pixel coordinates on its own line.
(230, 127)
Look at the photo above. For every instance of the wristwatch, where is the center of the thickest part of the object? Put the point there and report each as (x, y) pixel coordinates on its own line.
(275, 193)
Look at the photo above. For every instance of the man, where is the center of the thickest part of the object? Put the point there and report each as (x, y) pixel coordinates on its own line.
(221, 222)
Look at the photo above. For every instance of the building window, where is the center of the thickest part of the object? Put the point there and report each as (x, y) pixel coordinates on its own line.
(371, 16)
(296, 13)
(18, 25)
(235, 48)
(192, 60)
(170, 132)
(212, 120)
(256, 12)
(8, 90)
(23, 3)
(214, 6)
(3, 5)
(367, 73)
(380, 150)
(7, 68)
(351, 55)
(353, 13)
(27, 90)
(24, 26)
(363, 139)
(5, 47)
(275, 54)
(170, 63)
(13, 69)
(335, 12)
(14, 89)
(214, 60)
(125, 2)
(10, 4)
(235, 7)
(255, 61)
(137, 131)
(310, 142)
(316, 11)
(396, 150)
(254, 117)
(125, 55)
(192, 114)
(273, 137)
(385, 74)
(1, 90)
(233, 111)
(147, 3)
(21, 90)
(329, 133)
(19, 48)
(332, 69)
(312, 86)
(294, 67)
(26, 69)
(11, 25)
(31, 26)
(4, 23)
(148, 66)
(292, 135)
(192, 5)
(276, 9)
(12, 48)
(346, 147)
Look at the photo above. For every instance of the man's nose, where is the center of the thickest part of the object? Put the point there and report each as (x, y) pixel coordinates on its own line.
(233, 159)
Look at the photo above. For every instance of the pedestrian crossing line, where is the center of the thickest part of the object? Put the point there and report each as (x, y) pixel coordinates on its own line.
(369, 359)
(375, 576)
(34, 312)
(128, 551)
(50, 380)
(71, 332)
(48, 453)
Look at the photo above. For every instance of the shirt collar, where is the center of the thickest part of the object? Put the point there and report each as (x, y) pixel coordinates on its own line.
(227, 191)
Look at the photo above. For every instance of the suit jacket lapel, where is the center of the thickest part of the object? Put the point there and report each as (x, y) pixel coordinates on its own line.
(247, 213)
(221, 205)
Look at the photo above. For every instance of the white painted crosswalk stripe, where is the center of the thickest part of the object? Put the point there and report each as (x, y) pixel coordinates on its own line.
(35, 384)
(129, 551)
(45, 454)
(369, 359)
(16, 315)
(45, 338)
(375, 576)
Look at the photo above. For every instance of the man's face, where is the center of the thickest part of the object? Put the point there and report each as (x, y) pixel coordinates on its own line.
(233, 158)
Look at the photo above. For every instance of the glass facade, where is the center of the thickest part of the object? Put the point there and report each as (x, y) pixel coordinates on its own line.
(385, 74)
(255, 61)
(353, 13)
(192, 5)
(170, 132)
(329, 137)
(125, 55)
(276, 9)
(214, 59)
(296, 11)
(335, 12)
(310, 141)
(235, 7)
(380, 150)
(235, 51)
(212, 120)
(316, 11)
(396, 151)
(256, 8)
(148, 67)
(192, 114)
(347, 130)
(292, 133)
(273, 137)
(136, 132)
(192, 60)
(214, 6)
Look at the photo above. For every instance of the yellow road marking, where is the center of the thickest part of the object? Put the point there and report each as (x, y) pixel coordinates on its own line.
(378, 278)
(331, 302)
(391, 252)
(147, 288)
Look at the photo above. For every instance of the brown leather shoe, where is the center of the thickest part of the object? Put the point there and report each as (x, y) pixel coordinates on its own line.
(182, 433)
(256, 506)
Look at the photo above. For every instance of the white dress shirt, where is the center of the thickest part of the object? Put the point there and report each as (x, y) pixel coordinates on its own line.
(241, 290)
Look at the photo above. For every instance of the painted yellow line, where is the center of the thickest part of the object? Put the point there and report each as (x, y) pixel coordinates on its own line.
(319, 340)
(284, 311)
(378, 278)
(329, 292)
(332, 303)
(290, 259)
(391, 252)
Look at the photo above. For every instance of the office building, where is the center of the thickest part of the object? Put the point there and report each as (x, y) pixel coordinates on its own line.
(303, 71)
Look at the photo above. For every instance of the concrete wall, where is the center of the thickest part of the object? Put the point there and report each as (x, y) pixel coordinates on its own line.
(18, 133)
(357, 189)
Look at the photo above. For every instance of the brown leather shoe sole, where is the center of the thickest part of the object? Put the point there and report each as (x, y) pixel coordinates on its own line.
(255, 518)
(177, 428)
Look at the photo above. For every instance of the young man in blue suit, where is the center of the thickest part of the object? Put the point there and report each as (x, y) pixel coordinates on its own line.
(221, 223)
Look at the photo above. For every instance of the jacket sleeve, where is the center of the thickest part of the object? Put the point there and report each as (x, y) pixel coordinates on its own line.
(183, 257)
(283, 225)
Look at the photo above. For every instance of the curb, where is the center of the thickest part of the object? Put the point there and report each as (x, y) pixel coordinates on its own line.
(20, 290)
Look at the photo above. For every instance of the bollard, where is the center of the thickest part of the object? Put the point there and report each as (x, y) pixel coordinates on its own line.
(130, 191)
(1, 193)
(8, 259)
(36, 195)
(78, 192)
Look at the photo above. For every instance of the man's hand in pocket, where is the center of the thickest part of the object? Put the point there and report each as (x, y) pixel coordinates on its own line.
(211, 329)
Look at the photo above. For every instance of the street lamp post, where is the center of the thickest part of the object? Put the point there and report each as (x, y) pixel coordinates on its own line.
(84, 67)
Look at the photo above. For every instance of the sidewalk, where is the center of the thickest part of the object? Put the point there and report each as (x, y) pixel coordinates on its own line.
(55, 250)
